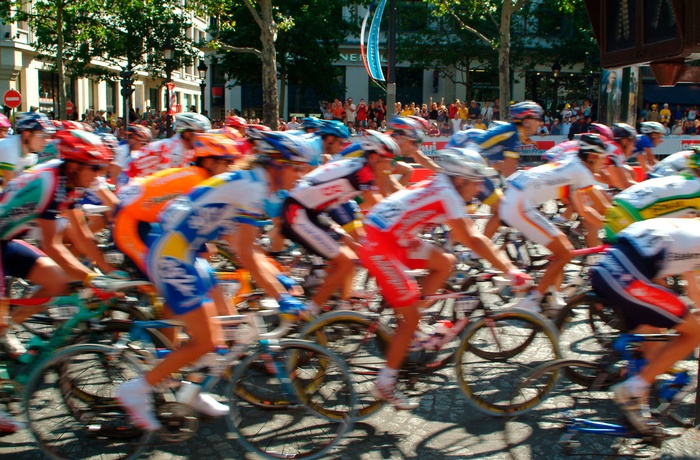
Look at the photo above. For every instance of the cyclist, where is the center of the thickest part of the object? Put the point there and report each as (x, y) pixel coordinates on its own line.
(671, 196)
(18, 152)
(644, 251)
(175, 152)
(137, 137)
(228, 206)
(571, 178)
(237, 123)
(335, 137)
(5, 126)
(501, 148)
(652, 133)
(331, 189)
(673, 164)
(618, 172)
(392, 245)
(310, 124)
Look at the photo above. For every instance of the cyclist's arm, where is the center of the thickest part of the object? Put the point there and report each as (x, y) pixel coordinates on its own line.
(691, 288)
(643, 160)
(423, 160)
(7, 176)
(465, 232)
(651, 159)
(619, 177)
(84, 240)
(52, 245)
(579, 200)
(254, 258)
(388, 184)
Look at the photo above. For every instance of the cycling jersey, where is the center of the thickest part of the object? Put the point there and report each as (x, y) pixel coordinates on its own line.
(561, 150)
(140, 203)
(163, 154)
(533, 187)
(392, 226)
(673, 196)
(643, 142)
(644, 251)
(325, 189)
(11, 158)
(498, 143)
(208, 211)
(40, 193)
(671, 165)
(463, 138)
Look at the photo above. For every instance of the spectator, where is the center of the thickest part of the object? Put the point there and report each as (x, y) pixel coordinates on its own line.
(677, 128)
(653, 114)
(434, 130)
(643, 113)
(424, 112)
(587, 109)
(361, 114)
(351, 128)
(293, 123)
(382, 127)
(479, 123)
(433, 113)
(566, 111)
(397, 108)
(349, 110)
(542, 130)
(665, 125)
(328, 111)
(547, 119)
(487, 113)
(380, 114)
(407, 111)
(689, 128)
(474, 112)
(467, 124)
(445, 129)
(693, 113)
(566, 126)
(463, 114)
(578, 127)
(677, 115)
(555, 129)
(576, 110)
(496, 110)
(442, 114)
(665, 114)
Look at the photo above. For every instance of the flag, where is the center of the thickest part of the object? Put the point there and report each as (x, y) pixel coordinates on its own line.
(373, 59)
(171, 95)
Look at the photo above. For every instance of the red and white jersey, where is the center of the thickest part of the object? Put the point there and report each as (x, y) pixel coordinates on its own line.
(552, 181)
(163, 154)
(560, 151)
(614, 155)
(407, 212)
(333, 184)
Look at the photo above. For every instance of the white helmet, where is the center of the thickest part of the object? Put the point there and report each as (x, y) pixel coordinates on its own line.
(458, 162)
(652, 127)
(190, 121)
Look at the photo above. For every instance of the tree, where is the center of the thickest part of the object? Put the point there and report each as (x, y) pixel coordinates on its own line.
(293, 38)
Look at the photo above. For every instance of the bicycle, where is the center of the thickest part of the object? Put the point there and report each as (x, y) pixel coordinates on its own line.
(289, 398)
(488, 351)
(673, 398)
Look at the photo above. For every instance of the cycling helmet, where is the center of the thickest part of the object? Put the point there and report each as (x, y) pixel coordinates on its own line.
(590, 144)
(603, 130)
(333, 128)
(287, 147)
(411, 127)
(190, 121)
(68, 124)
(33, 121)
(458, 162)
(311, 123)
(525, 110)
(82, 147)
(623, 130)
(111, 142)
(372, 142)
(4, 122)
(649, 127)
(235, 121)
(694, 158)
(217, 145)
(139, 133)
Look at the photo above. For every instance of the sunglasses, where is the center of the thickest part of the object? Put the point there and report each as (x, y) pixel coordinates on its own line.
(94, 168)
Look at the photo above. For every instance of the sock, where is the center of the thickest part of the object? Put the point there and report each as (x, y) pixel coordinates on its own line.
(387, 377)
(536, 295)
(637, 386)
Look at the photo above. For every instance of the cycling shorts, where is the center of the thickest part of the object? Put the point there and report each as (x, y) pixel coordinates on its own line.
(490, 192)
(181, 278)
(620, 278)
(517, 211)
(309, 229)
(388, 262)
(19, 257)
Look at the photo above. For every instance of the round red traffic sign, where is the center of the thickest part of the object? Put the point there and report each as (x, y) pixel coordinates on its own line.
(12, 98)
(69, 107)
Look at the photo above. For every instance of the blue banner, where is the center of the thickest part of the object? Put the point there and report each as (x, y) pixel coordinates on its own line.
(373, 58)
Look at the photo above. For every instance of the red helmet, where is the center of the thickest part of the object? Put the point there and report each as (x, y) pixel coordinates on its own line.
(82, 147)
(235, 121)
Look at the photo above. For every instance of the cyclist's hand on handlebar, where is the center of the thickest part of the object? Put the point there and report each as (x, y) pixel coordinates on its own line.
(292, 309)
(291, 285)
(520, 281)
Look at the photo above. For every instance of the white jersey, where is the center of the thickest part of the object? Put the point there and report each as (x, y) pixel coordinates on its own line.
(672, 196)
(159, 155)
(11, 158)
(407, 212)
(552, 181)
(333, 184)
(671, 165)
(679, 238)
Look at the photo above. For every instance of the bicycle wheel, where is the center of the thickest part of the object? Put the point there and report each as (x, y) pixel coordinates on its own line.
(319, 384)
(496, 353)
(587, 326)
(361, 342)
(70, 409)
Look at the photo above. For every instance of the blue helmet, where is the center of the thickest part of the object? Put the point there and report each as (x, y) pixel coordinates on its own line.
(288, 147)
(33, 121)
(526, 109)
(311, 123)
(333, 128)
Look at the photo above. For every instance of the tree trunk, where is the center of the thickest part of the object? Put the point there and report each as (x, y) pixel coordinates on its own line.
(283, 94)
(268, 35)
(504, 59)
(61, 115)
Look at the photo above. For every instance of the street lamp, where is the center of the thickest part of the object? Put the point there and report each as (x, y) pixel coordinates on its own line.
(168, 51)
(202, 69)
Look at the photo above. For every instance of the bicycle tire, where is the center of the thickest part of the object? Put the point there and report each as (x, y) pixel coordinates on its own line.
(352, 336)
(306, 430)
(102, 429)
(491, 360)
(587, 326)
